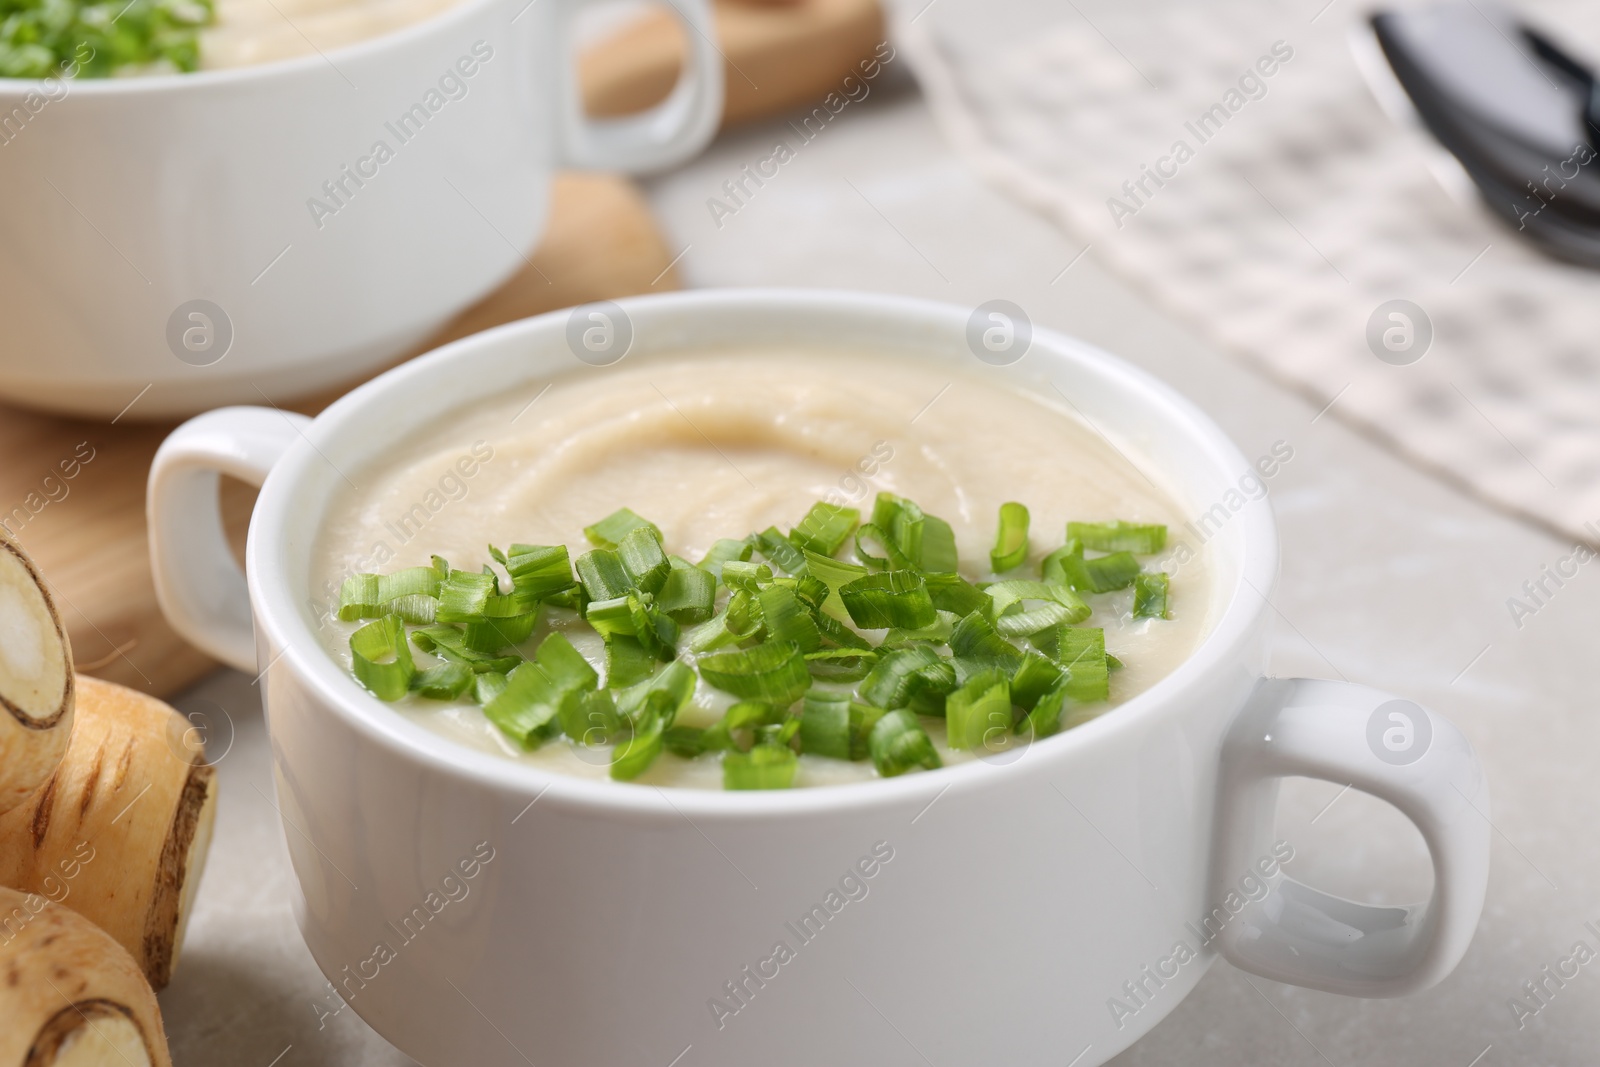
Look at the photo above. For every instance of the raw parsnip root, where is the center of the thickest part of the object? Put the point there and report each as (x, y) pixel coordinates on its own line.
(70, 996)
(120, 832)
(36, 682)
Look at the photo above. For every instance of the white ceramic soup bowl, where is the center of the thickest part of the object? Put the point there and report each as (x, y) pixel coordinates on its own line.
(476, 910)
(224, 236)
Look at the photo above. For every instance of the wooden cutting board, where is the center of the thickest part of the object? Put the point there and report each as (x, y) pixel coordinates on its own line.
(73, 491)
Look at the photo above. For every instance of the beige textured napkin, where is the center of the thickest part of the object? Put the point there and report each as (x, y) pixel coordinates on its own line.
(1229, 158)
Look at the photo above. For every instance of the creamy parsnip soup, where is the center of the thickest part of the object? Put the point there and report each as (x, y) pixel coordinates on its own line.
(757, 570)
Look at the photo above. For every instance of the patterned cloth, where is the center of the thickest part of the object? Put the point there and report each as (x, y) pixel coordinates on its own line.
(1271, 203)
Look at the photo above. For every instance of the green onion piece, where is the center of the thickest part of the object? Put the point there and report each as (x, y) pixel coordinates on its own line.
(609, 617)
(953, 593)
(766, 766)
(674, 684)
(609, 531)
(898, 743)
(838, 633)
(979, 713)
(381, 659)
(628, 662)
(685, 742)
(689, 594)
(1044, 719)
(1119, 536)
(871, 534)
(657, 633)
(780, 551)
(1113, 662)
(774, 671)
(833, 725)
(591, 719)
(539, 570)
(738, 622)
(634, 755)
(487, 685)
(450, 642)
(444, 681)
(909, 677)
(1082, 651)
(938, 546)
(491, 635)
(724, 550)
(643, 559)
(787, 620)
(1060, 605)
(536, 690)
(925, 540)
(463, 596)
(418, 609)
(1033, 678)
(441, 565)
(1150, 596)
(367, 596)
(602, 574)
(825, 528)
(889, 599)
(834, 574)
(1067, 566)
(840, 664)
(975, 635)
(938, 633)
(1011, 541)
(737, 727)
(747, 576)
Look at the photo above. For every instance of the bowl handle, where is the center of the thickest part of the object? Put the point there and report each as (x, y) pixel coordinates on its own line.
(663, 136)
(198, 583)
(1392, 749)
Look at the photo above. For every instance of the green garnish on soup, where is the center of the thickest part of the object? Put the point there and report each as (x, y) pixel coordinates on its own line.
(74, 39)
(827, 657)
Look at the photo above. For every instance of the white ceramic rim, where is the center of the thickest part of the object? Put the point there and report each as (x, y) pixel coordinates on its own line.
(150, 84)
(278, 617)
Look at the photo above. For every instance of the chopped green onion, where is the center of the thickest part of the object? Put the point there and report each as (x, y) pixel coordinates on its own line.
(1011, 541)
(381, 659)
(445, 681)
(938, 633)
(926, 541)
(1103, 574)
(451, 643)
(689, 595)
(675, 685)
(766, 766)
(418, 609)
(487, 685)
(367, 596)
(1150, 596)
(464, 595)
(975, 635)
(1044, 719)
(737, 727)
(778, 549)
(889, 599)
(642, 558)
(1060, 605)
(628, 662)
(747, 576)
(491, 635)
(838, 633)
(1119, 536)
(916, 677)
(724, 550)
(872, 534)
(536, 690)
(1033, 678)
(591, 719)
(609, 531)
(786, 620)
(639, 750)
(685, 742)
(738, 622)
(602, 575)
(833, 725)
(538, 570)
(840, 664)
(953, 593)
(1082, 651)
(898, 743)
(979, 713)
(774, 671)
(825, 528)
(834, 574)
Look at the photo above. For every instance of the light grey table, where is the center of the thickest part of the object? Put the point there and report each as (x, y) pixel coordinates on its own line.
(1389, 578)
